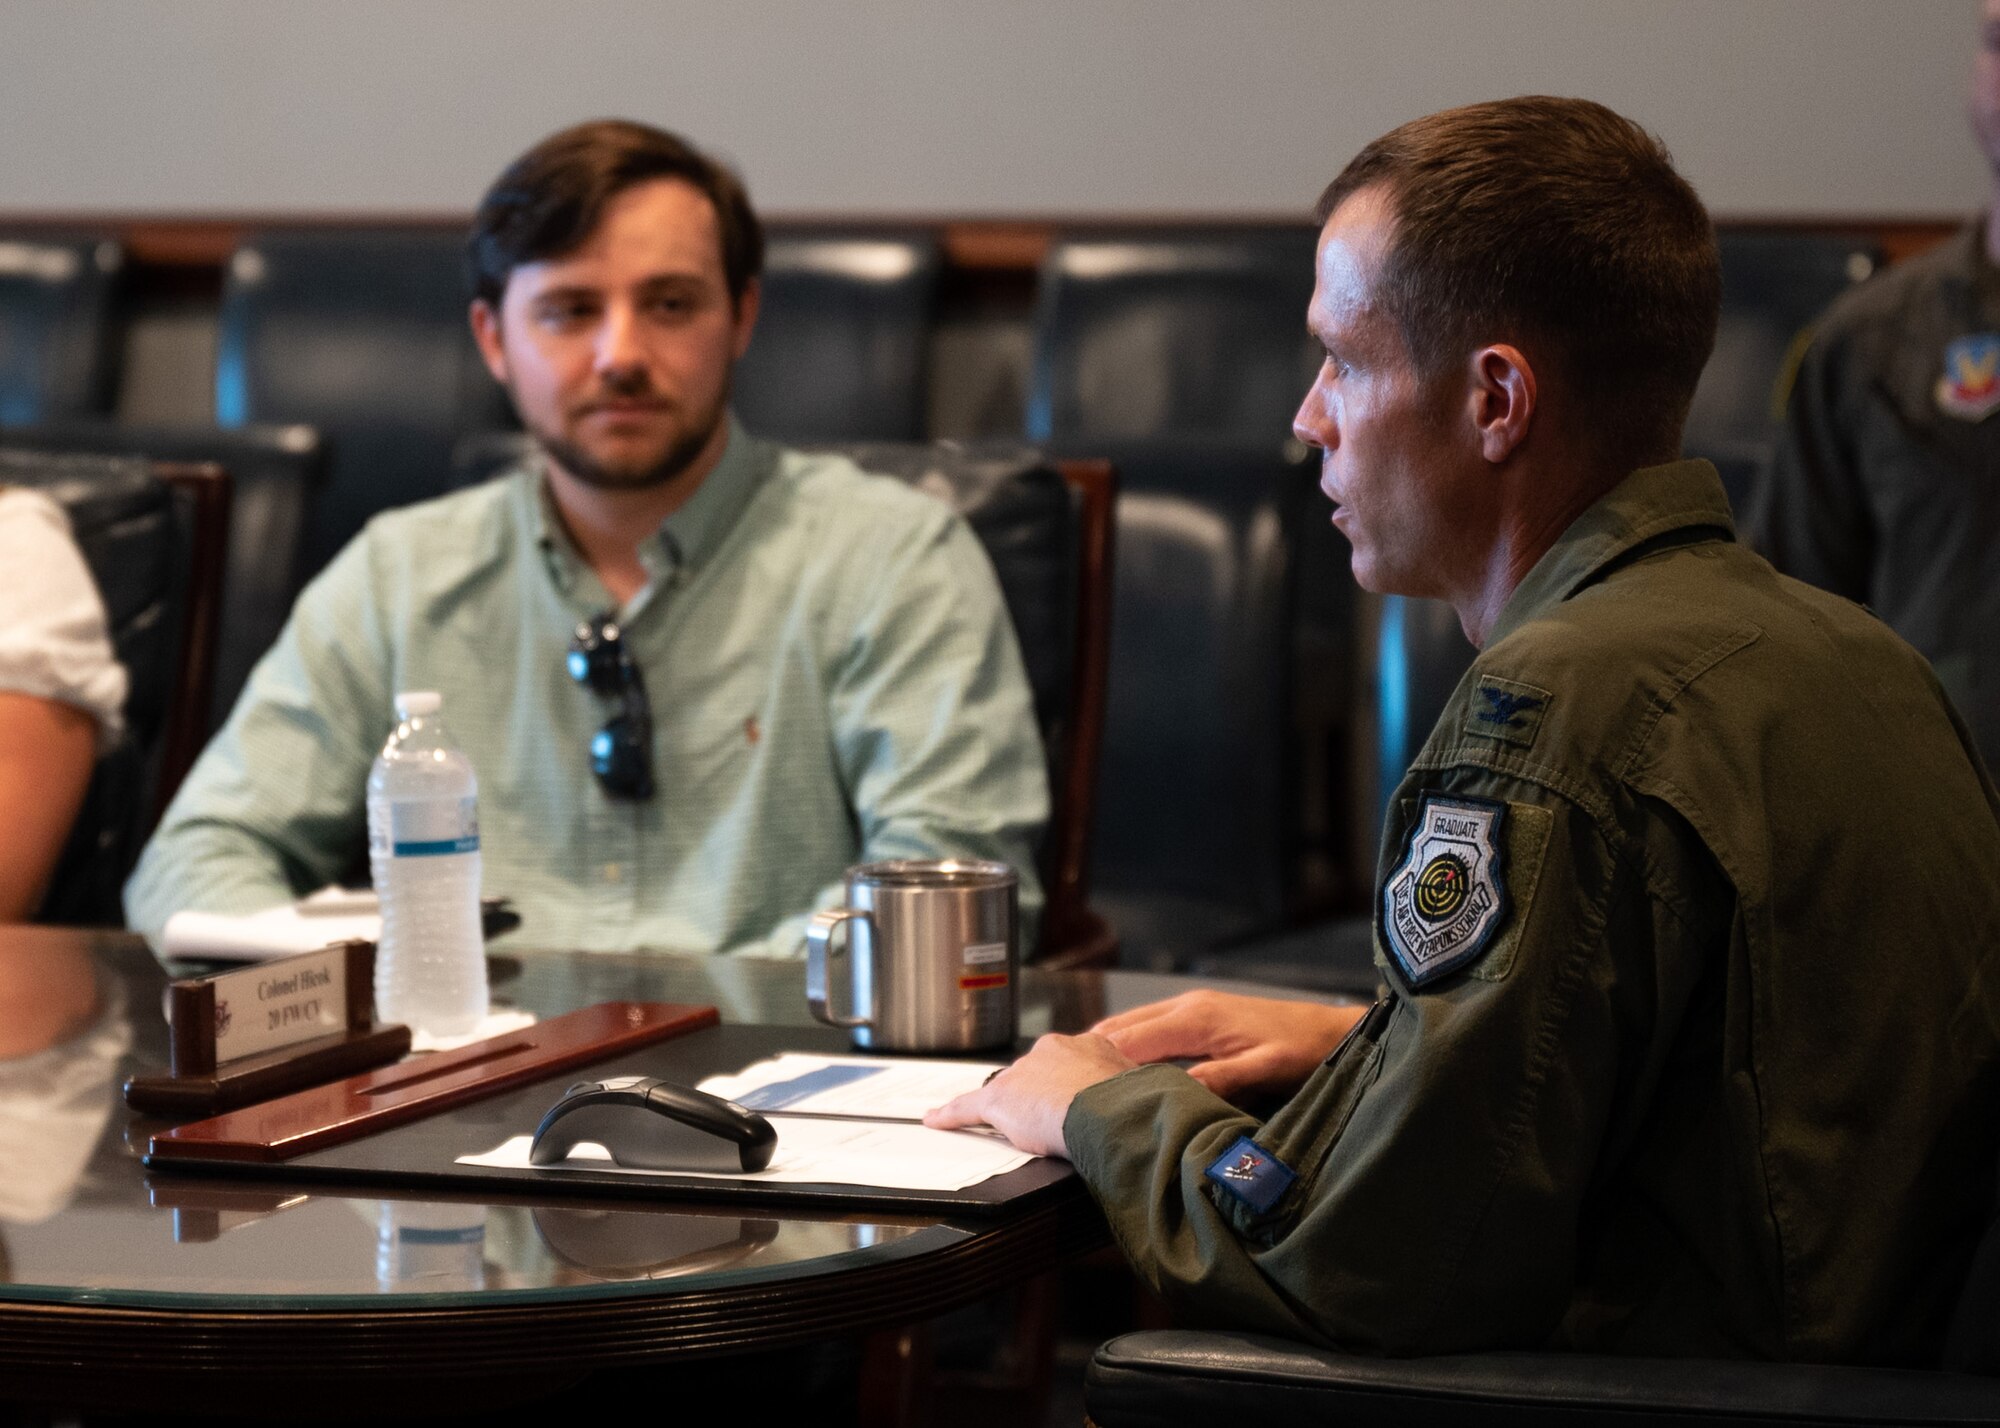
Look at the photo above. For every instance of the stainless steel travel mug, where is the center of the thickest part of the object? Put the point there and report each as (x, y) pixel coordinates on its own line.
(931, 959)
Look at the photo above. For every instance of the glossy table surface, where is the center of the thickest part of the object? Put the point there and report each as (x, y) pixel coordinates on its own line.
(103, 1261)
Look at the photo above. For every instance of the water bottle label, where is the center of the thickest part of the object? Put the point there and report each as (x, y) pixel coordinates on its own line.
(434, 827)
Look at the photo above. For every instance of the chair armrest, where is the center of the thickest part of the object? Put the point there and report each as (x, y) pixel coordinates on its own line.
(1176, 1376)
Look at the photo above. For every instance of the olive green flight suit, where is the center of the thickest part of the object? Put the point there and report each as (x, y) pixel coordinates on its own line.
(1884, 487)
(1719, 1079)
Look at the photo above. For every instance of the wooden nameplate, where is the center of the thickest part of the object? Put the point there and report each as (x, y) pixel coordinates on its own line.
(247, 1035)
(361, 1105)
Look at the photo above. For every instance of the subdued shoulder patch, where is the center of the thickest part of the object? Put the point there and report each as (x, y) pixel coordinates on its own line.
(1447, 899)
(1251, 1173)
(1504, 710)
(1970, 386)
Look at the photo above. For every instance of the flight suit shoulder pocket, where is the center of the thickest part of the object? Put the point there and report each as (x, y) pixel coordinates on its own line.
(1527, 840)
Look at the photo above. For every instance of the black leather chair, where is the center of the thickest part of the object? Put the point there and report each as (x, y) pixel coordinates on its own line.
(1411, 655)
(1774, 286)
(153, 537)
(1163, 1377)
(1201, 798)
(363, 335)
(841, 348)
(1165, 334)
(275, 472)
(58, 339)
(1047, 527)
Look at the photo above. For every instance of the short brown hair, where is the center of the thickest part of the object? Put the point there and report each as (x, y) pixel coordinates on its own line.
(1558, 223)
(550, 200)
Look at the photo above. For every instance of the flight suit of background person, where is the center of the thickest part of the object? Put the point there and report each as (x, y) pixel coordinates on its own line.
(832, 673)
(1885, 486)
(1689, 910)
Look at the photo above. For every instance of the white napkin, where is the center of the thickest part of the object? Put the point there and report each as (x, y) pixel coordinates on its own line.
(494, 1023)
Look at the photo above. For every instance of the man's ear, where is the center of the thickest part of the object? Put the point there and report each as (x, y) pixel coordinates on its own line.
(1504, 397)
(746, 316)
(486, 333)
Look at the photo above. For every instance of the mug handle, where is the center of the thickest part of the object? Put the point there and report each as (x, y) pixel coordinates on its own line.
(819, 939)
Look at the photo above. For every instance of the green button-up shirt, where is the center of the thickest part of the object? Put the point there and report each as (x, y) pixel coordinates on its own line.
(833, 678)
(1718, 1079)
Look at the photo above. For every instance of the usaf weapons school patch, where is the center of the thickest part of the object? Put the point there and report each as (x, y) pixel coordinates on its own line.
(1251, 1173)
(1970, 386)
(1447, 899)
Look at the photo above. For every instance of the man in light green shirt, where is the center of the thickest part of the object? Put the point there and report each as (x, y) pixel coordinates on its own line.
(831, 670)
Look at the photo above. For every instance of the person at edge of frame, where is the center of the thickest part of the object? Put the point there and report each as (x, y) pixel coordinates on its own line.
(1881, 484)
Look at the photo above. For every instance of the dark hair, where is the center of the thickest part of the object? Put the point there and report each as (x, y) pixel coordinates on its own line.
(550, 200)
(1561, 225)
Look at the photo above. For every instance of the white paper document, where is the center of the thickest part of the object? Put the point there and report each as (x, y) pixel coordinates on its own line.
(824, 1152)
(330, 915)
(869, 1087)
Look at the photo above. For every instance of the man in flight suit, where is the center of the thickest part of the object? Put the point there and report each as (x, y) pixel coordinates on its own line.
(1886, 483)
(1689, 910)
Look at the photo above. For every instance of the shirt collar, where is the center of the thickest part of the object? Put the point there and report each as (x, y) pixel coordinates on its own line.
(684, 539)
(1978, 270)
(691, 534)
(1651, 502)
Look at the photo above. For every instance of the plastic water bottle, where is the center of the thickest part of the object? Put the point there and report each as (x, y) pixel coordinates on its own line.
(430, 1248)
(423, 847)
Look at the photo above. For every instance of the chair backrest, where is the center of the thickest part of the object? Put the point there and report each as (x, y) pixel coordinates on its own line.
(1202, 789)
(363, 335)
(274, 474)
(1774, 286)
(58, 301)
(1414, 652)
(1047, 527)
(840, 351)
(1153, 333)
(152, 535)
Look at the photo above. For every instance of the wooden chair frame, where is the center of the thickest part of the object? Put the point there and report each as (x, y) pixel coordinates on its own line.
(204, 487)
(1072, 934)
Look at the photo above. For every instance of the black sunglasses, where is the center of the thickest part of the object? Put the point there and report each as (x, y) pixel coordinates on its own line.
(621, 753)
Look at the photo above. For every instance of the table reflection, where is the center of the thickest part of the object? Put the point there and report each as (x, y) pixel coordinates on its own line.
(63, 1033)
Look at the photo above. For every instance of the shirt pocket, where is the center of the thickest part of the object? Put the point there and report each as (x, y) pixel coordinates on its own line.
(713, 714)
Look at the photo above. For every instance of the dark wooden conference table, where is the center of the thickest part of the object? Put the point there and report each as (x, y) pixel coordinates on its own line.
(124, 1287)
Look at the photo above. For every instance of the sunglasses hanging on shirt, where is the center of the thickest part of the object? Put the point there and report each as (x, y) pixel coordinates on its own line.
(621, 753)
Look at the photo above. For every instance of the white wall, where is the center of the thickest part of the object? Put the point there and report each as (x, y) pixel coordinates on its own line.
(932, 107)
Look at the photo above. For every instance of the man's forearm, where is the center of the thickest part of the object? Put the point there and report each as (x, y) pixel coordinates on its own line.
(208, 865)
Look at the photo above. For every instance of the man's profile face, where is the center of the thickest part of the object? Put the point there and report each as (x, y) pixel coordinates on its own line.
(618, 354)
(1379, 427)
(1984, 102)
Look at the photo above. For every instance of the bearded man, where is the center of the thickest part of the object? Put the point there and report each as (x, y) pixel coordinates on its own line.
(698, 675)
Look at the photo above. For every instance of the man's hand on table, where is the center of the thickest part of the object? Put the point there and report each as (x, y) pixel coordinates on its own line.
(1246, 1045)
(1242, 1046)
(1029, 1101)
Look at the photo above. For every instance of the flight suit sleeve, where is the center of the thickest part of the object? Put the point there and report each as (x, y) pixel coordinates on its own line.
(1811, 517)
(1422, 1191)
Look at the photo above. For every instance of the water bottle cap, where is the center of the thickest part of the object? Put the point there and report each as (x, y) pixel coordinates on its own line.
(417, 703)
